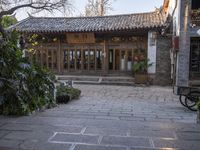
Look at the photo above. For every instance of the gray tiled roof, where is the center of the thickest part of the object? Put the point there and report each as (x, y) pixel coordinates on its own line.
(92, 24)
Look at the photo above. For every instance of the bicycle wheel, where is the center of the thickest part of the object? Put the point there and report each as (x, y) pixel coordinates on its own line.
(191, 100)
(182, 100)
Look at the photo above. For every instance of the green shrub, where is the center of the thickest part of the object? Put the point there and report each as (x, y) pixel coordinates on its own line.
(24, 87)
(64, 94)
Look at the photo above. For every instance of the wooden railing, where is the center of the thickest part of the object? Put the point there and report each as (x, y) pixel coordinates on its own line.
(195, 17)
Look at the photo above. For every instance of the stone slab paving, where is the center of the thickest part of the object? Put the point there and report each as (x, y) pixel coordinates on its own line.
(106, 118)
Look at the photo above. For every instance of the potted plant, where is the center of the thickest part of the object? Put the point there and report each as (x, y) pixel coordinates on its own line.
(140, 68)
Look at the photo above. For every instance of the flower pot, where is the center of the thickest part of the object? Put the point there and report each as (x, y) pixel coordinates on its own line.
(141, 78)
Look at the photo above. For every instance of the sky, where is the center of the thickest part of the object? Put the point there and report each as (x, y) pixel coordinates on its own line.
(119, 7)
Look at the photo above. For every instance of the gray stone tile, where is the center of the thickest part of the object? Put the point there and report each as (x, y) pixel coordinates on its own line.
(97, 147)
(153, 133)
(34, 135)
(180, 144)
(10, 143)
(125, 141)
(37, 145)
(137, 148)
(188, 136)
(7, 148)
(19, 135)
(75, 138)
(3, 133)
(16, 127)
(132, 118)
(107, 117)
(106, 131)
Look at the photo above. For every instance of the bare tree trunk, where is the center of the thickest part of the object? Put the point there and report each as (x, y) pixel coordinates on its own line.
(101, 7)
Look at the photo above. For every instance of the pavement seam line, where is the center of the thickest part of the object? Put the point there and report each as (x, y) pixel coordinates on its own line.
(100, 139)
(72, 147)
(51, 137)
(175, 136)
(83, 130)
(151, 142)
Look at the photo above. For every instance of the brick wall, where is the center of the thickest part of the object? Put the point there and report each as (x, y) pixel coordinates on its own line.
(163, 62)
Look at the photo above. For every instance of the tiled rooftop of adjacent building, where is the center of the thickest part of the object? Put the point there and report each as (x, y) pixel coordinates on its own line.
(149, 20)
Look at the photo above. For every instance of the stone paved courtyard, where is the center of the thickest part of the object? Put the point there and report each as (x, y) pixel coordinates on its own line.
(106, 118)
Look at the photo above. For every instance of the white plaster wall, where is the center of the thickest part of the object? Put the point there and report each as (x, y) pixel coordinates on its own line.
(151, 56)
(176, 17)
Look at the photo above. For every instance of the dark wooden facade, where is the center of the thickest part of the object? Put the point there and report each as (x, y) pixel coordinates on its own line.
(87, 45)
(89, 53)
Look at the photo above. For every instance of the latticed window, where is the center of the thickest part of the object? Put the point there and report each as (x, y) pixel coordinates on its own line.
(195, 13)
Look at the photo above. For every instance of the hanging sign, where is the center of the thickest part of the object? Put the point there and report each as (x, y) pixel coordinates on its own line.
(76, 38)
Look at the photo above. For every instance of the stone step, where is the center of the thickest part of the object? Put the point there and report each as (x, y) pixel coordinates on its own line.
(79, 78)
(98, 80)
(122, 79)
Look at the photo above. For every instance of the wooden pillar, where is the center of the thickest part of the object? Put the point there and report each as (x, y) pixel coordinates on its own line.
(75, 57)
(126, 60)
(68, 61)
(95, 58)
(47, 57)
(41, 56)
(88, 59)
(114, 59)
(59, 60)
(105, 58)
(132, 59)
(82, 63)
(120, 57)
(52, 58)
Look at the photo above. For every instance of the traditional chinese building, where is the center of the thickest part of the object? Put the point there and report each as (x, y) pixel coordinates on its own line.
(100, 45)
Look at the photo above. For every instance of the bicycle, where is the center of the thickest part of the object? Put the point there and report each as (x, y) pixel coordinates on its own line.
(189, 97)
(191, 100)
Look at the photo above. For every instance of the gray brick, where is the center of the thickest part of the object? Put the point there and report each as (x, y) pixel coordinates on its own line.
(180, 144)
(97, 147)
(152, 133)
(163, 64)
(10, 143)
(106, 131)
(3, 133)
(137, 148)
(37, 145)
(188, 136)
(125, 141)
(89, 139)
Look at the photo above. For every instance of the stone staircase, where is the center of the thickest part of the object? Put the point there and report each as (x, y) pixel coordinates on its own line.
(98, 80)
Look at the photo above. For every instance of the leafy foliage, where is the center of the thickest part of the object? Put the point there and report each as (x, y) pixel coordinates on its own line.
(141, 66)
(64, 94)
(24, 87)
(8, 21)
